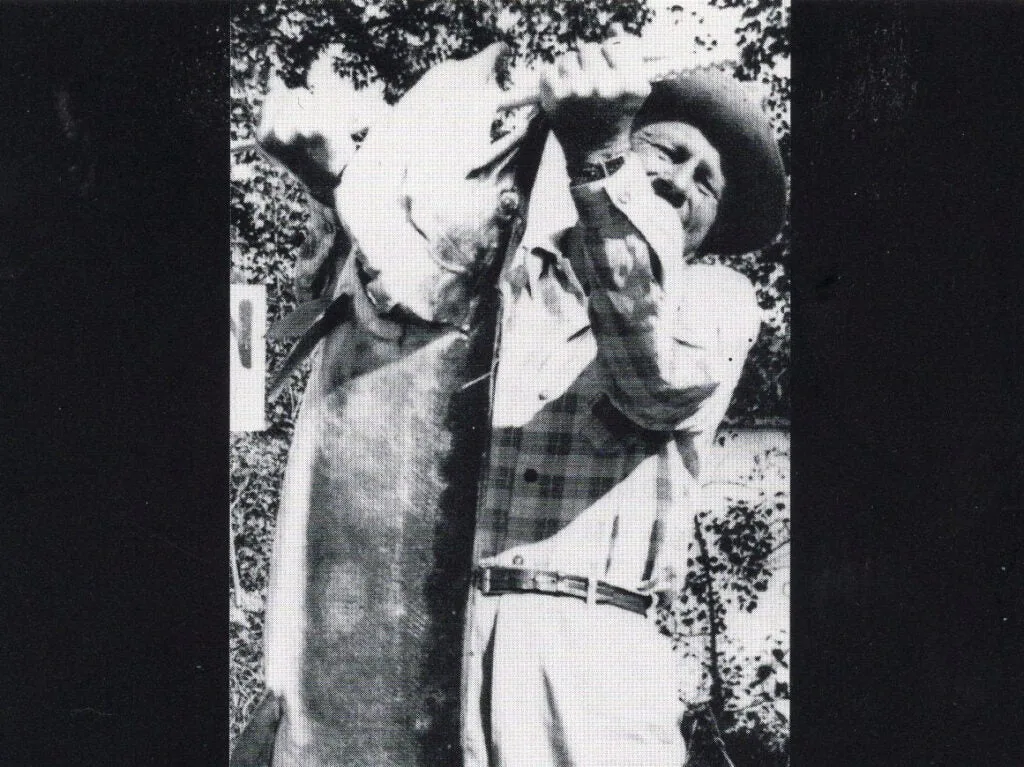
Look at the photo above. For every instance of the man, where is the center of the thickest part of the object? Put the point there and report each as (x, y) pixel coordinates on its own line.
(614, 363)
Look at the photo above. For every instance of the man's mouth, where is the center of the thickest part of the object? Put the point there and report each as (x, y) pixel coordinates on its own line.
(672, 196)
(668, 192)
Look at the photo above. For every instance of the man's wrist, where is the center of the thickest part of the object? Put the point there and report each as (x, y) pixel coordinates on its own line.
(594, 169)
(589, 145)
(594, 164)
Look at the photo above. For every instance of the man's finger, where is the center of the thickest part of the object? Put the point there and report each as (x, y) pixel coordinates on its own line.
(568, 65)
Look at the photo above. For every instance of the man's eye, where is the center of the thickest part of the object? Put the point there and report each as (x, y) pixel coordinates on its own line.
(663, 154)
(667, 153)
(707, 183)
(677, 155)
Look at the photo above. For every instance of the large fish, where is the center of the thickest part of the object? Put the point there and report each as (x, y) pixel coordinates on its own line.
(372, 556)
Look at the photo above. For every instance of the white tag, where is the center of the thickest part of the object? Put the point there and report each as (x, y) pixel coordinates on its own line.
(247, 350)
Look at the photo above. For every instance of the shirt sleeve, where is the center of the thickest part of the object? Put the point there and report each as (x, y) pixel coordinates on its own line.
(430, 193)
(663, 350)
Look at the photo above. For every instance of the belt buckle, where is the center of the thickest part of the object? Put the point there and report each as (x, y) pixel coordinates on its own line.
(544, 581)
(484, 581)
(561, 583)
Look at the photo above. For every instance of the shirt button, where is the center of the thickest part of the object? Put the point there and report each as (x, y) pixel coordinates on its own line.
(624, 197)
(517, 559)
(531, 475)
(542, 395)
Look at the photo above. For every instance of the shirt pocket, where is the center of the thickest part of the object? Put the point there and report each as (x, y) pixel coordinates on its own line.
(565, 363)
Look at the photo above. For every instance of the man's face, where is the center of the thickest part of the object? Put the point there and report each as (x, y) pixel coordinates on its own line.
(684, 169)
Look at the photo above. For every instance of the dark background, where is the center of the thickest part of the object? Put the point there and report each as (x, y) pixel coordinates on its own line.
(113, 395)
(908, 448)
(907, 455)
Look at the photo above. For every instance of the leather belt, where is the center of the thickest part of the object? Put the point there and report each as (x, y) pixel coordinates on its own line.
(512, 580)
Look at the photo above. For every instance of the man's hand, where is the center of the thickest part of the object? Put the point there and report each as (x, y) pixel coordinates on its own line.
(590, 97)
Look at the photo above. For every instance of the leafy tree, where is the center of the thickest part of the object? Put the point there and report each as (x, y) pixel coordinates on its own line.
(396, 41)
(764, 41)
(735, 545)
(740, 548)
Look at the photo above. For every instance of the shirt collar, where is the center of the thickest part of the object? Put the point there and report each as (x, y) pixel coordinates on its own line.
(541, 263)
(551, 213)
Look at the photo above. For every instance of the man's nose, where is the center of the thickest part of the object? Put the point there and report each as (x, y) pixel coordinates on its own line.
(676, 184)
(684, 177)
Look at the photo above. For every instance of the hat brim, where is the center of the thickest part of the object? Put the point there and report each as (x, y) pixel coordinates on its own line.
(754, 204)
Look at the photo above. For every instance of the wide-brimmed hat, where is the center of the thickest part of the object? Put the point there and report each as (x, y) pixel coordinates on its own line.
(731, 118)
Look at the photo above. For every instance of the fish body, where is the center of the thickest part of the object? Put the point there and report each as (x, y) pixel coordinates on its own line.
(373, 552)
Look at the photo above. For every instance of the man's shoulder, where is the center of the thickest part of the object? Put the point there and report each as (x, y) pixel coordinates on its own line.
(718, 296)
(721, 281)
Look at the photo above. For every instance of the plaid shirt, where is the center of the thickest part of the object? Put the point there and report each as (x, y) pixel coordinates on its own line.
(608, 390)
(610, 381)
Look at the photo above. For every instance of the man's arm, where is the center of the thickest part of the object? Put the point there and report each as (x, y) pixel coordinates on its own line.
(428, 194)
(669, 336)
(666, 342)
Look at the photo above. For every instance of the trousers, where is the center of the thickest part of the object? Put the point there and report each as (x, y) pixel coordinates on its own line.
(552, 681)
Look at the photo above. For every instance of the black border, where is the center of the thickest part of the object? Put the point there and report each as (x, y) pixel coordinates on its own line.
(907, 446)
(908, 121)
(115, 416)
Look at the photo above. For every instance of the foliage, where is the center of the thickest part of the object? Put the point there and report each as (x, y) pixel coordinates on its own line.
(257, 464)
(395, 41)
(741, 542)
(763, 391)
(268, 217)
(754, 725)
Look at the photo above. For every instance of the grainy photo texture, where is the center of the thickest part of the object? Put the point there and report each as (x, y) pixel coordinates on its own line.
(522, 497)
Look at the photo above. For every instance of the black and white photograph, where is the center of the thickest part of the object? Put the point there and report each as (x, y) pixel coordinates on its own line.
(523, 498)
